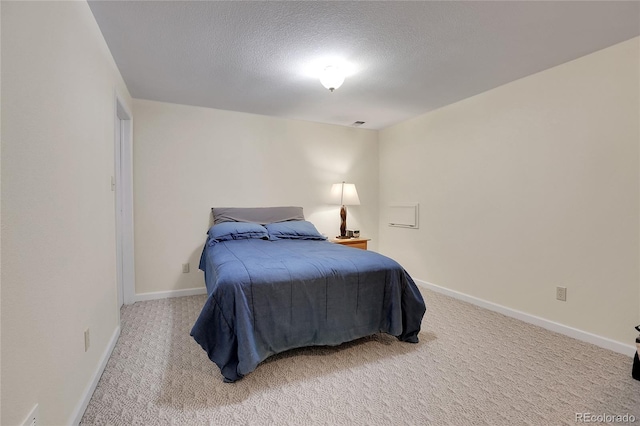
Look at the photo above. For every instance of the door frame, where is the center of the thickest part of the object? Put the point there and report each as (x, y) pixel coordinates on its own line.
(123, 186)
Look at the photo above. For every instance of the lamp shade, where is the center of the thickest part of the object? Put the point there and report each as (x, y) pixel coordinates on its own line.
(345, 194)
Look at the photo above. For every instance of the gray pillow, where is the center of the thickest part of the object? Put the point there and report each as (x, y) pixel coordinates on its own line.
(261, 215)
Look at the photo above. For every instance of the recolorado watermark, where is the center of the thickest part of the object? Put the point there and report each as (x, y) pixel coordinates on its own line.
(605, 418)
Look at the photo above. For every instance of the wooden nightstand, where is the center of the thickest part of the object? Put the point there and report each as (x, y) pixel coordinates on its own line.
(360, 243)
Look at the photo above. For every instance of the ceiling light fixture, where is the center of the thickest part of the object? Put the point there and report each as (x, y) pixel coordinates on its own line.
(332, 77)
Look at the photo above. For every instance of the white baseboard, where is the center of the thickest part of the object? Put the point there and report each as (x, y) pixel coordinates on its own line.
(584, 336)
(141, 297)
(88, 392)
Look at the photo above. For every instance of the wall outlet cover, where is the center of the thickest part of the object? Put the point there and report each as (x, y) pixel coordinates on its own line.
(87, 340)
(561, 293)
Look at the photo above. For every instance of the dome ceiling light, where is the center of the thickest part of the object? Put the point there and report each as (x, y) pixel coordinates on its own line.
(332, 77)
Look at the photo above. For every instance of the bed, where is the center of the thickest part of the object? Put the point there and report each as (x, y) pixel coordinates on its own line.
(274, 283)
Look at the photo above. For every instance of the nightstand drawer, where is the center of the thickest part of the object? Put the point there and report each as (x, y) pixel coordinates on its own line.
(360, 243)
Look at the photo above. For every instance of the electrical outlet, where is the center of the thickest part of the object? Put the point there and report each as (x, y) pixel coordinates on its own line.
(561, 293)
(185, 268)
(33, 419)
(87, 341)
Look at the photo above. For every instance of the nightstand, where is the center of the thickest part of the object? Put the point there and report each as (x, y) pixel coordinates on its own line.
(360, 243)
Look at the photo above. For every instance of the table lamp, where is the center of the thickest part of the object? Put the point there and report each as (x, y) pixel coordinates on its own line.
(344, 194)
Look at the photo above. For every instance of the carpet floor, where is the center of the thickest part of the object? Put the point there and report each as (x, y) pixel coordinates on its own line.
(471, 367)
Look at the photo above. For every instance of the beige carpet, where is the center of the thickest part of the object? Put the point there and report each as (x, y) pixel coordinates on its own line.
(472, 366)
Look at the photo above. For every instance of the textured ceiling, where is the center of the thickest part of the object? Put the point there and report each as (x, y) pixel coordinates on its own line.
(405, 58)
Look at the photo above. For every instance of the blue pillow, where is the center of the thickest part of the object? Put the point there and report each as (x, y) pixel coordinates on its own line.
(237, 231)
(294, 229)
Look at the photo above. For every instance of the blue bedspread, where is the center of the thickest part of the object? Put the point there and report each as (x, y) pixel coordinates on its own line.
(266, 297)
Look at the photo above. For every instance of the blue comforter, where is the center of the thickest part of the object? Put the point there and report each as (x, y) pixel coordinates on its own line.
(267, 297)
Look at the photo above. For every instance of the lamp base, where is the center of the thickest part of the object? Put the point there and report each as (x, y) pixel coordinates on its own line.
(340, 237)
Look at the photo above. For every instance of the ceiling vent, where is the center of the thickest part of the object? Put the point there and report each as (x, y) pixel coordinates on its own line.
(357, 123)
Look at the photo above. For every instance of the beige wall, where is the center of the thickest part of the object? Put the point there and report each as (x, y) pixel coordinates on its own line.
(189, 159)
(58, 232)
(527, 187)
